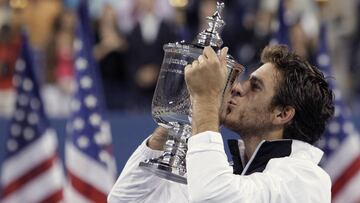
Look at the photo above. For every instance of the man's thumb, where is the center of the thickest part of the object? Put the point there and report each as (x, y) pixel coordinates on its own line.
(223, 55)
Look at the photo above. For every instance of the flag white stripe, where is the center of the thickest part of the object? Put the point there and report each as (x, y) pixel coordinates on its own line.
(71, 195)
(31, 156)
(81, 166)
(343, 157)
(350, 193)
(40, 187)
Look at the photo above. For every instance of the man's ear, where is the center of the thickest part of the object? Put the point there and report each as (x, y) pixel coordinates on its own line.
(283, 115)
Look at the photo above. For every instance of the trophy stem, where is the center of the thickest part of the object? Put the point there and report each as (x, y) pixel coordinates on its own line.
(171, 165)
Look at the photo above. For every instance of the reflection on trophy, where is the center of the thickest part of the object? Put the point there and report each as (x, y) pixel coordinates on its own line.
(171, 106)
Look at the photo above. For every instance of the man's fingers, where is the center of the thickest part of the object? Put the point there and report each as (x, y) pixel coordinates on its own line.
(223, 54)
(195, 64)
(209, 52)
(201, 58)
(187, 68)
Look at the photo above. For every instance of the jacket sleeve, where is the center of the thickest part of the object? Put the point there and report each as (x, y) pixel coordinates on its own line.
(210, 178)
(135, 184)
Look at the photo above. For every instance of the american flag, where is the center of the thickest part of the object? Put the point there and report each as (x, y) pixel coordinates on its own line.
(341, 142)
(88, 152)
(31, 171)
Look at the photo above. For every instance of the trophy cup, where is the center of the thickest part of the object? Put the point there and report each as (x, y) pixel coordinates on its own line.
(171, 106)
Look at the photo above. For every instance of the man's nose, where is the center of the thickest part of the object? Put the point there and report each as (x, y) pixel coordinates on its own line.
(237, 90)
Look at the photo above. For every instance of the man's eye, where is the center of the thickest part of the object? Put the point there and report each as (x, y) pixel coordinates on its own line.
(255, 86)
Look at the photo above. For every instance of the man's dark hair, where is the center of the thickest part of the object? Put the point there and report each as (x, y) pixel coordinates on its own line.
(303, 87)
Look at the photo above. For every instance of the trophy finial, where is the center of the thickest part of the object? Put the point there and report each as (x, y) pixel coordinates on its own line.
(211, 36)
(219, 9)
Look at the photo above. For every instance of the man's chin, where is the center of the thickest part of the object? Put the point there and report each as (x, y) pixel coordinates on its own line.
(223, 114)
(222, 120)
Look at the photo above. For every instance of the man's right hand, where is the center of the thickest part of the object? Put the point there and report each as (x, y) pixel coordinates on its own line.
(206, 79)
(158, 139)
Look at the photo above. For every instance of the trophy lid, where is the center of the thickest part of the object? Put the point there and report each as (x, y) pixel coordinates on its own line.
(211, 36)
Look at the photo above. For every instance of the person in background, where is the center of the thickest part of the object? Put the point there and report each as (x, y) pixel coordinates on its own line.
(342, 20)
(9, 49)
(111, 51)
(355, 64)
(182, 30)
(59, 72)
(279, 112)
(145, 53)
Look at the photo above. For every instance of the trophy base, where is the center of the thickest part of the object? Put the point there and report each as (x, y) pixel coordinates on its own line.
(163, 170)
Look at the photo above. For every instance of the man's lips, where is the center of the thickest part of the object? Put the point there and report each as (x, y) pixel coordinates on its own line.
(230, 106)
(232, 103)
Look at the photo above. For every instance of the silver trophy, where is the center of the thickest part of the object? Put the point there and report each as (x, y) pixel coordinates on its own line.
(171, 106)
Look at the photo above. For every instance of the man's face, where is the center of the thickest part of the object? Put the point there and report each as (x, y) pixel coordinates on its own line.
(248, 110)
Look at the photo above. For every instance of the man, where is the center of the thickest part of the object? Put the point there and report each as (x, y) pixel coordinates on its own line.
(279, 112)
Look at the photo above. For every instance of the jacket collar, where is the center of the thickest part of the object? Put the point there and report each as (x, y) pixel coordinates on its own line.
(267, 150)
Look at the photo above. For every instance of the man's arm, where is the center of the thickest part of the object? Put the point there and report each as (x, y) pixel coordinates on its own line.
(135, 184)
(206, 79)
(285, 180)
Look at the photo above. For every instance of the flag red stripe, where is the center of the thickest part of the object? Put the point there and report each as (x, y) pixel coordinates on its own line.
(349, 172)
(27, 177)
(86, 189)
(55, 197)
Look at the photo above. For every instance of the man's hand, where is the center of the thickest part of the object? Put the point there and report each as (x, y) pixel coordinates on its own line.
(206, 79)
(206, 76)
(158, 138)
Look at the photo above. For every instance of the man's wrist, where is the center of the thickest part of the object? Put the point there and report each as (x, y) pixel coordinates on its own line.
(205, 114)
(157, 139)
(155, 143)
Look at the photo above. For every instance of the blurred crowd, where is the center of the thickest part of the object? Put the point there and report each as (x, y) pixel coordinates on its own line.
(130, 34)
